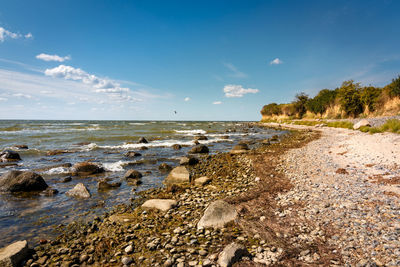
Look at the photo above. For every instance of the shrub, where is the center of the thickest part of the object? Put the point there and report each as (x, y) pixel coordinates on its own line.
(271, 109)
(320, 103)
(299, 104)
(394, 87)
(392, 125)
(340, 124)
(350, 99)
(370, 96)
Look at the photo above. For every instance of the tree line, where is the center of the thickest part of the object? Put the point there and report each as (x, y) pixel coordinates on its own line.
(349, 100)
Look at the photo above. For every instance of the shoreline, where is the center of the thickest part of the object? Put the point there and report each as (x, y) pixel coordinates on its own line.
(172, 237)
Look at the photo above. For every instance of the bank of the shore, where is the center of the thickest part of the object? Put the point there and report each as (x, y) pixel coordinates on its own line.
(248, 182)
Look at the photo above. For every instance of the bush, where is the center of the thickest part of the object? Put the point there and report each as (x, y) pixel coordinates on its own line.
(271, 109)
(350, 98)
(320, 103)
(370, 96)
(392, 125)
(299, 104)
(394, 87)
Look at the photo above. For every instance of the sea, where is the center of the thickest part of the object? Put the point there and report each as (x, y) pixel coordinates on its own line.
(36, 216)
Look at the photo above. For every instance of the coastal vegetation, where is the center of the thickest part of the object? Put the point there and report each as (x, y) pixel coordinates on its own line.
(350, 100)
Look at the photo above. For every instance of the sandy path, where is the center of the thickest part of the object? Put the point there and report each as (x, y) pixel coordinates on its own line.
(347, 180)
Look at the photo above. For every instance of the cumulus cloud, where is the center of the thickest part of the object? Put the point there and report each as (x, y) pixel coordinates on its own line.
(101, 85)
(233, 90)
(4, 34)
(217, 102)
(187, 99)
(276, 61)
(47, 57)
(235, 72)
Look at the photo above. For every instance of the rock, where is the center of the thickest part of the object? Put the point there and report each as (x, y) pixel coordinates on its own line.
(188, 161)
(144, 148)
(142, 140)
(178, 175)
(56, 152)
(200, 137)
(199, 149)
(164, 167)
(202, 180)
(9, 155)
(129, 249)
(217, 214)
(87, 168)
(132, 154)
(49, 192)
(231, 254)
(104, 185)
(14, 254)
(21, 146)
(240, 148)
(21, 181)
(79, 191)
(176, 146)
(161, 204)
(133, 174)
(225, 137)
(126, 260)
(360, 124)
(67, 179)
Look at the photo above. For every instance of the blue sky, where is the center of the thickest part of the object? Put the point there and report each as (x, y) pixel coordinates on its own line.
(206, 60)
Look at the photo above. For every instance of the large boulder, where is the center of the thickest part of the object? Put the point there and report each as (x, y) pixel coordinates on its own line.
(161, 204)
(22, 181)
(360, 124)
(199, 149)
(14, 254)
(79, 191)
(240, 148)
(87, 168)
(178, 175)
(217, 214)
(9, 155)
(188, 161)
(231, 254)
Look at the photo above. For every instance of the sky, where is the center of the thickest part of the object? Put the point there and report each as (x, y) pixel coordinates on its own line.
(186, 60)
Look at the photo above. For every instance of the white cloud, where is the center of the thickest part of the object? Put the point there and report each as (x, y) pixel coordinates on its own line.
(4, 34)
(101, 85)
(235, 72)
(217, 102)
(276, 61)
(3, 99)
(233, 90)
(47, 57)
(20, 95)
(45, 92)
(187, 99)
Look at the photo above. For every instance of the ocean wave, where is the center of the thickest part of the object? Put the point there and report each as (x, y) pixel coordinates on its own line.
(57, 170)
(115, 166)
(191, 132)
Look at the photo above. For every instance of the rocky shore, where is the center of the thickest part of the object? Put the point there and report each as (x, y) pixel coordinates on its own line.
(229, 219)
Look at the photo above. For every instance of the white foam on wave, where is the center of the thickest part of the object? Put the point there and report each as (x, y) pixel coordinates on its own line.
(115, 166)
(191, 132)
(137, 123)
(57, 170)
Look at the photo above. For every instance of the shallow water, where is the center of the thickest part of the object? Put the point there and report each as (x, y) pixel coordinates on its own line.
(104, 142)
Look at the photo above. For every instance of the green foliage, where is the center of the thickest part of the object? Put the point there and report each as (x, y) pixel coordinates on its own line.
(392, 125)
(394, 87)
(271, 109)
(350, 98)
(370, 96)
(320, 103)
(299, 104)
(288, 109)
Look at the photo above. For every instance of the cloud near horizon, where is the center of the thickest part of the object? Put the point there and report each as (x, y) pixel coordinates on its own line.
(217, 103)
(4, 34)
(101, 85)
(276, 61)
(233, 90)
(47, 57)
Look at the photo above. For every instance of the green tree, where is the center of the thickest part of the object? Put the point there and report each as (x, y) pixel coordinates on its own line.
(299, 103)
(394, 87)
(320, 103)
(350, 98)
(271, 109)
(370, 96)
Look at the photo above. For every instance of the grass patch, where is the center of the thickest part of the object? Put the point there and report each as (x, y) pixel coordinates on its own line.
(340, 124)
(392, 125)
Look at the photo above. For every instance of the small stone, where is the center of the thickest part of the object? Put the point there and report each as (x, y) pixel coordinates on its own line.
(126, 260)
(129, 249)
